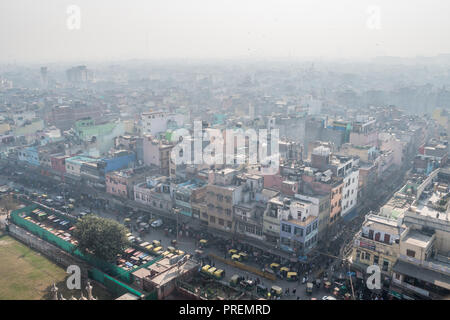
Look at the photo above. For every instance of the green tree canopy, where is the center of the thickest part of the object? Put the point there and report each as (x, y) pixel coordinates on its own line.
(104, 238)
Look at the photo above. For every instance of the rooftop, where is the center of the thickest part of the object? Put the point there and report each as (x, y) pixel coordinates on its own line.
(304, 223)
(417, 239)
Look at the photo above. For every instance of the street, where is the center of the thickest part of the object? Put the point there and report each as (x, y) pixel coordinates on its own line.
(329, 260)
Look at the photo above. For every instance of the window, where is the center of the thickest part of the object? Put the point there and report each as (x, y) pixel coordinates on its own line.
(410, 253)
(212, 219)
(387, 238)
(375, 259)
(358, 254)
(377, 236)
(308, 230)
(286, 228)
(385, 265)
(229, 224)
(315, 225)
(298, 232)
(221, 222)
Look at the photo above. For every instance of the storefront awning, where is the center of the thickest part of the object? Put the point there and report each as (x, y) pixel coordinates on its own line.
(427, 275)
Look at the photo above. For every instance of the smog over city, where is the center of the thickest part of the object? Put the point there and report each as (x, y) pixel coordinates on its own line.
(236, 151)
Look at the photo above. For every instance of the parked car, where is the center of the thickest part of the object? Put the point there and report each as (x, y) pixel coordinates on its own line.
(157, 223)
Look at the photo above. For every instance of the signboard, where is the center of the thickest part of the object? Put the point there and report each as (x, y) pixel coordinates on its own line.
(366, 245)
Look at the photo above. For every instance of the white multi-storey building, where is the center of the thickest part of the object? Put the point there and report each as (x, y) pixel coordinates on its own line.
(155, 122)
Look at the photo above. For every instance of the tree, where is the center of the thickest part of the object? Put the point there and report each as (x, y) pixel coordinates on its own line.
(104, 238)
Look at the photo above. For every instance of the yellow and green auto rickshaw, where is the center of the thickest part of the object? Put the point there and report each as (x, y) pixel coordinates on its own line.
(205, 268)
(236, 257)
(244, 256)
(274, 266)
(235, 280)
(219, 274)
(157, 250)
(211, 271)
(171, 249)
(276, 291)
(156, 243)
(203, 243)
(284, 271)
(165, 253)
(232, 252)
(292, 276)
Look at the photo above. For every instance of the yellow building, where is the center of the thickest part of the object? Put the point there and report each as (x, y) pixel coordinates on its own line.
(377, 243)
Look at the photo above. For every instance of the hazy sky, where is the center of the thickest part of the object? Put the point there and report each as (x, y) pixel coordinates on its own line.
(37, 30)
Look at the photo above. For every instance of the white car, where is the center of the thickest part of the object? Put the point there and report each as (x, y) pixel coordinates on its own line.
(157, 223)
(328, 298)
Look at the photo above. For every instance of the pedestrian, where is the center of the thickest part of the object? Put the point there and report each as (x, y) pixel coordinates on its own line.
(294, 291)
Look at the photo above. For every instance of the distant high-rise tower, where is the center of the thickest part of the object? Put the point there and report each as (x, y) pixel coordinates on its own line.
(44, 78)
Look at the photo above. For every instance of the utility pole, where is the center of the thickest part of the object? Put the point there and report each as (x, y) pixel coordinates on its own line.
(177, 212)
(351, 282)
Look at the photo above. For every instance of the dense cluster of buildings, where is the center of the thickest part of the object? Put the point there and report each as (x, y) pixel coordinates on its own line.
(332, 161)
(409, 237)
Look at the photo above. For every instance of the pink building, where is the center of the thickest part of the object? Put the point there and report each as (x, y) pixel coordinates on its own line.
(116, 183)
